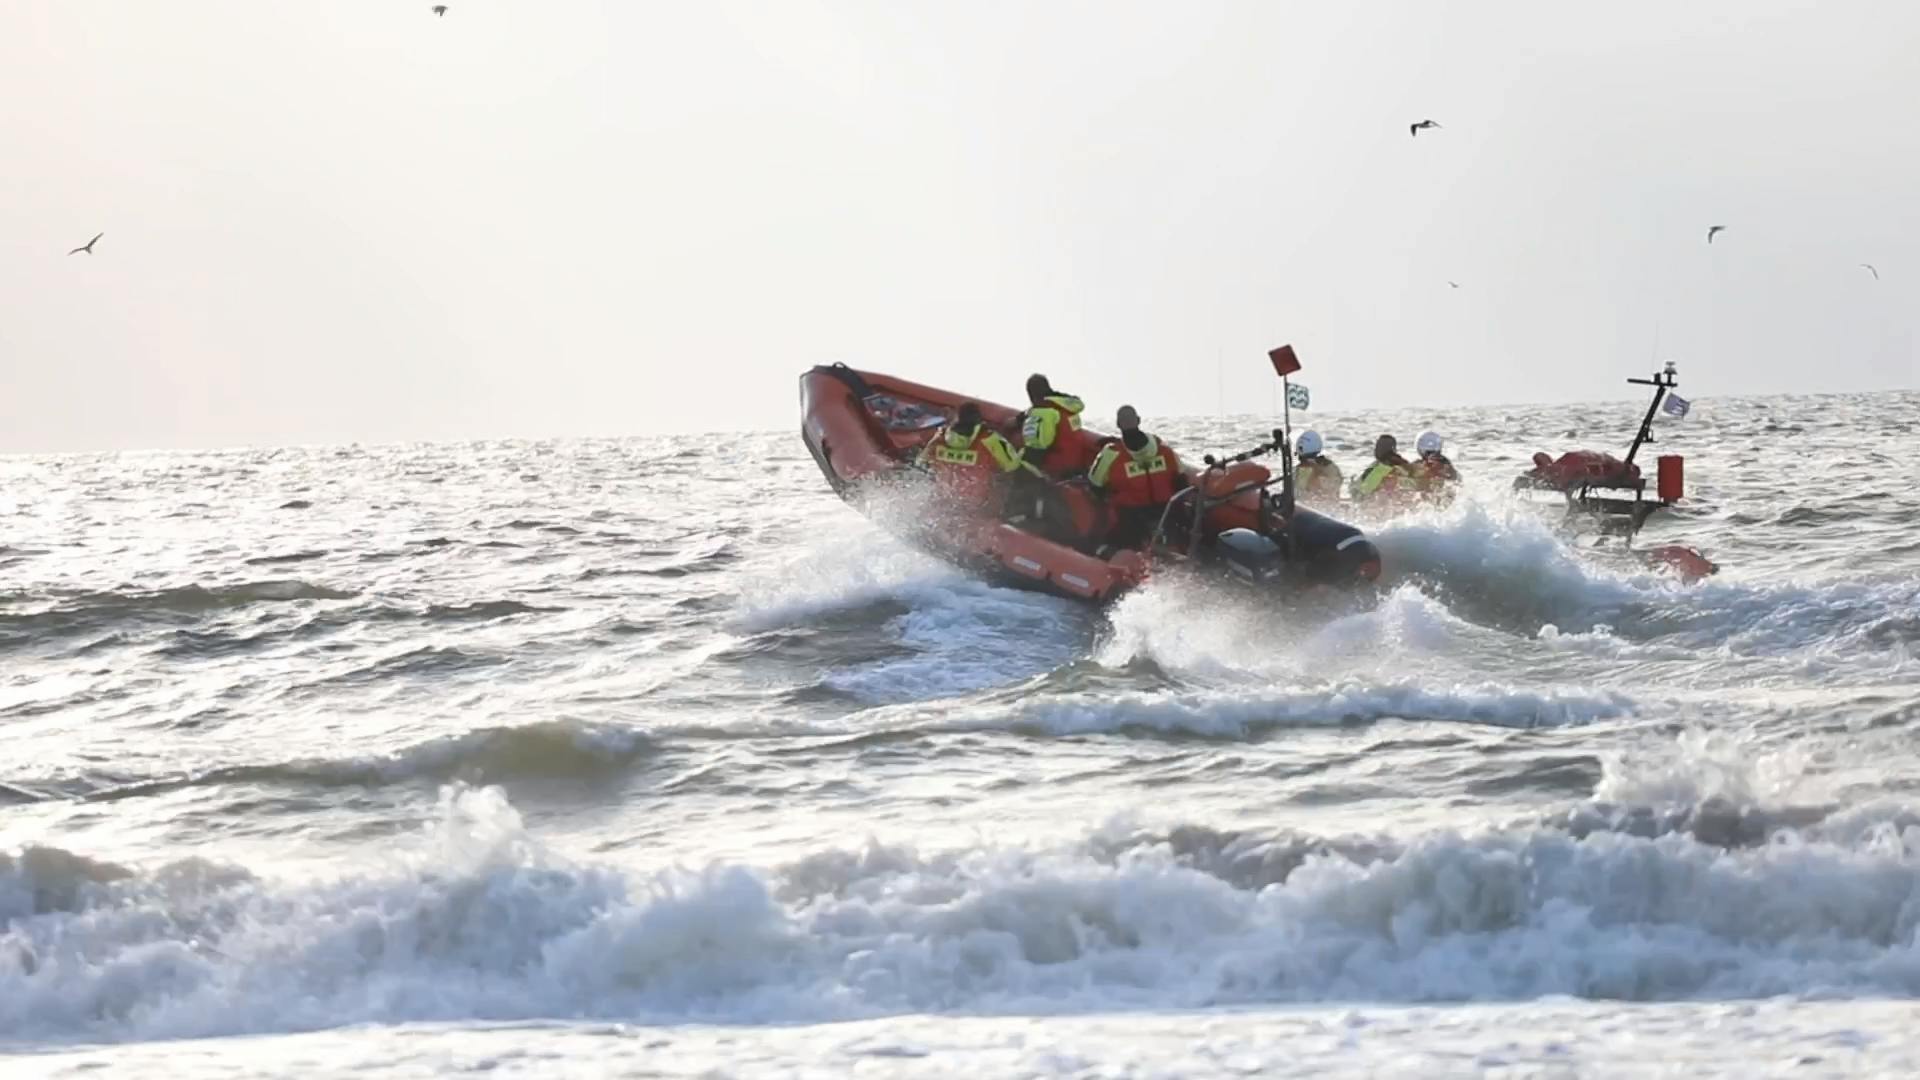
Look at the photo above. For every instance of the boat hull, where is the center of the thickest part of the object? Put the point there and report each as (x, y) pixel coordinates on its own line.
(864, 430)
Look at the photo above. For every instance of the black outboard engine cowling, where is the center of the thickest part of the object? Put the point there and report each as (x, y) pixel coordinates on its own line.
(1249, 555)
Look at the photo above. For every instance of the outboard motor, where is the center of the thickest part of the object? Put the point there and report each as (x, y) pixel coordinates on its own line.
(1329, 553)
(1251, 556)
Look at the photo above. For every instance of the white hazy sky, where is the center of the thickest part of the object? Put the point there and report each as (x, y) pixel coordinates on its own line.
(336, 220)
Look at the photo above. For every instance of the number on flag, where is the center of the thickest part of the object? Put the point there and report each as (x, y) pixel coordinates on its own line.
(1297, 396)
(1676, 406)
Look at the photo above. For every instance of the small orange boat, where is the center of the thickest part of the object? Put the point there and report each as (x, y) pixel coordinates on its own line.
(1235, 518)
(1611, 491)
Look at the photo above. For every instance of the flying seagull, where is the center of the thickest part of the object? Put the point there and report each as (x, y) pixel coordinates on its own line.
(1871, 270)
(1415, 129)
(440, 10)
(1453, 284)
(88, 246)
(1713, 229)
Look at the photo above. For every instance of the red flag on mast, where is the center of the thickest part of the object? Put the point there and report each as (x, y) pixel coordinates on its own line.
(1284, 362)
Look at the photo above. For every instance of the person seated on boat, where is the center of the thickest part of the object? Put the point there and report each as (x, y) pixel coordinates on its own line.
(1050, 437)
(967, 457)
(1138, 474)
(1433, 474)
(1316, 476)
(1387, 475)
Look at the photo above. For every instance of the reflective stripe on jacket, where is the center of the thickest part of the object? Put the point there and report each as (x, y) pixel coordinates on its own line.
(1146, 476)
(1041, 435)
(964, 450)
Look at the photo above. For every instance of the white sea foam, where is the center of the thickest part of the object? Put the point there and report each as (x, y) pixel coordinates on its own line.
(1238, 713)
(1700, 765)
(478, 920)
(954, 633)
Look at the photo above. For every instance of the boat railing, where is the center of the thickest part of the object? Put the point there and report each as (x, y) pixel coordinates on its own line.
(1196, 494)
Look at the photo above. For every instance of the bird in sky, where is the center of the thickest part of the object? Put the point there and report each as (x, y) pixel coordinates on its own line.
(1453, 284)
(88, 246)
(1871, 270)
(1711, 229)
(440, 10)
(1416, 129)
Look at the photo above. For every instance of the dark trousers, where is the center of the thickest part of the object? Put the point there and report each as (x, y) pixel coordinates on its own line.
(1040, 501)
(1133, 525)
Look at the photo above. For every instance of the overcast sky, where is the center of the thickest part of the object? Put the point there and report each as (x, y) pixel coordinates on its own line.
(350, 220)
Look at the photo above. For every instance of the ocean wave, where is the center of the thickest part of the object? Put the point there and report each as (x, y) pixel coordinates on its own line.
(872, 575)
(186, 599)
(887, 625)
(1219, 635)
(702, 553)
(328, 620)
(190, 643)
(1714, 821)
(482, 610)
(1513, 573)
(1699, 765)
(479, 920)
(21, 793)
(1716, 788)
(290, 557)
(1250, 713)
(90, 612)
(41, 880)
(549, 749)
(1838, 620)
(426, 660)
(1511, 570)
(553, 749)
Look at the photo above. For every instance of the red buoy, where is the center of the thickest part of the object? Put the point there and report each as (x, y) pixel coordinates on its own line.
(1672, 477)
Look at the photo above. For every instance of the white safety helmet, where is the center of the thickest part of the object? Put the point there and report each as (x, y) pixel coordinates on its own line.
(1309, 443)
(1428, 443)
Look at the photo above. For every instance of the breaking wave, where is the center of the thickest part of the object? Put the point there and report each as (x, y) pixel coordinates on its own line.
(892, 625)
(478, 920)
(1513, 573)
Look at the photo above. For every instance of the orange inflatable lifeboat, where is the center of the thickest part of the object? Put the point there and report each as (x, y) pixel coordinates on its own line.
(866, 430)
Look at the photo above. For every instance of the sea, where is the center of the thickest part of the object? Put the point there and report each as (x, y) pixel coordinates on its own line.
(650, 757)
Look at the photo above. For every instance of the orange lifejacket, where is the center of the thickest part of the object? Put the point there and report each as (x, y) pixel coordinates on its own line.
(1055, 421)
(965, 471)
(1072, 452)
(1144, 479)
